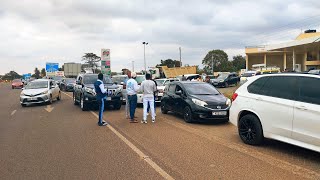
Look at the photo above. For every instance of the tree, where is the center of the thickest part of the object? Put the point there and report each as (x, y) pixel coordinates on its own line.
(239, 62)
(36, 73)
(62, 68)
(92, 60)
(216, 58)
(11, 76)
(169, 63)
(43, 72)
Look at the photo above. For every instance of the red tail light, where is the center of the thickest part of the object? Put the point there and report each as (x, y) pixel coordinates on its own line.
(234, 96)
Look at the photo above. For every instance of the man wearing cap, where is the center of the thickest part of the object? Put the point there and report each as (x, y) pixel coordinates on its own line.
(132, 88)
(101, 94)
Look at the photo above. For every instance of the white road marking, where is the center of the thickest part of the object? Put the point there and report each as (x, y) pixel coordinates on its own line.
(49, 108)
(143, 156)
(13, 112)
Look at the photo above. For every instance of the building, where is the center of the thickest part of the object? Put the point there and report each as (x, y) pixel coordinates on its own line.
(301, 54)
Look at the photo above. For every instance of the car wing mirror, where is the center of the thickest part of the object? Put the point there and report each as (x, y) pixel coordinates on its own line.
(179, 93)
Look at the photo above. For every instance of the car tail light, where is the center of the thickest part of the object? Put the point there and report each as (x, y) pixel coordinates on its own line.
(234, 96)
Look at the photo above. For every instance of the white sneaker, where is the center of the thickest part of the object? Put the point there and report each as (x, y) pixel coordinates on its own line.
(153, 120)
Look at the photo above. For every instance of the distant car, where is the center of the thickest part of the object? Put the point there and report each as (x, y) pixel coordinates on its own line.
(17, 83)
(226, 79)
(58, 79)
(67, 84)
(248, 74)
(85, 95)
(189, 77)
(121, 81)
(161, 84)
(140, 79)
(196, 101)
(315, 71)
(284, 107)
(40, 91)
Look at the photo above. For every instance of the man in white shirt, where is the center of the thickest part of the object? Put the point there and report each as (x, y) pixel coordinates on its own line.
(148, 87)
(132, 89)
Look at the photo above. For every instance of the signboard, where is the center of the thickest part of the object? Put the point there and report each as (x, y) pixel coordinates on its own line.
(51, 68)
(105, 62)
(59, 73)
(26, 76)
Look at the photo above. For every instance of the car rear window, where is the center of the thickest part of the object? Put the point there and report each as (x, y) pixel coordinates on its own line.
(309, 90)
(256, 86)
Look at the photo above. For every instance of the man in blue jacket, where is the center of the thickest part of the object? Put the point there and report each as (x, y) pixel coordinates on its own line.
(101, 94)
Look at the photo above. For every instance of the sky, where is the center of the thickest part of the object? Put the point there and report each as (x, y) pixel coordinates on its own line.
(34, 32)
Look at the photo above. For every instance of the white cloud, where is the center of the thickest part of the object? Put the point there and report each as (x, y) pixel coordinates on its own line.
(33, 32)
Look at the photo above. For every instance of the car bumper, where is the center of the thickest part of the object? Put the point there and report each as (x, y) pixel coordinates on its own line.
(34, 100)
(218, 84)
(108, 100)
(140, 99)
(205, 114)
(69, 88)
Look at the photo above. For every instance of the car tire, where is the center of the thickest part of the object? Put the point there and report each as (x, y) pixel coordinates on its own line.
(187, 115)
(163, 108)
(12, 87)
(83, 105)
(59, 96)
(23, 105)
(74, 100)
(50, 99)
(250, 130)
(117, 106)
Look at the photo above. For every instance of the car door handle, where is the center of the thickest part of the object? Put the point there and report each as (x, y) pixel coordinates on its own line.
(301, 108)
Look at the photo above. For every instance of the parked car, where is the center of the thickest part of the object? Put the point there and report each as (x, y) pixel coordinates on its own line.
(67, 84)
(315, 71)
(40, 91)
(189, 77)
(16, 83)
(248, 74)
(58, 79)
(226, 79)
(161, 84)
(121, 81)
(85, 95)
(196, 101)
(284, 107)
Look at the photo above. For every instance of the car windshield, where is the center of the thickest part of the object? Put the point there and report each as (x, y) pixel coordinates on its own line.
(16, 80)
(119, 79)
(247, 74)
(91, 79)
(57, 78)
(222, 76)
(70, 81)
(139, 79)
(201, 89)
(37, 85)
(160, 81)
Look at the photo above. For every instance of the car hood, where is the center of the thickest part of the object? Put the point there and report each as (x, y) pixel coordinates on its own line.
(211, 99)
(34, 91)
(17, 83)
(107, 86)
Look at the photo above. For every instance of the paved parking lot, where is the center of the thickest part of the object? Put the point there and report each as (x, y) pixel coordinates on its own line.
(62, 142)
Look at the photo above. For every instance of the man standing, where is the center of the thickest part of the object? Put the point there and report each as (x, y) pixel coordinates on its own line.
(101, 94)
(155, 95)
(148, 87)
(132, 88)
(183, 78)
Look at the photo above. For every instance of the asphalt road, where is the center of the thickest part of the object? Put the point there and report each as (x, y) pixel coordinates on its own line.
(66, 143)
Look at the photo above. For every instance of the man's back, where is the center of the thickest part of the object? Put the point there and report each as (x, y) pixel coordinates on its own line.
(131, 83)
(148, 87)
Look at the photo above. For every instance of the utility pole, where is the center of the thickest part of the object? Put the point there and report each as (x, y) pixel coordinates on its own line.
(132, 66)
(180, 56)
(144, 55)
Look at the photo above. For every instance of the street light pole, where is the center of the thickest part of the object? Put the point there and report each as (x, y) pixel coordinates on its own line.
(132, 66)
(144, 55)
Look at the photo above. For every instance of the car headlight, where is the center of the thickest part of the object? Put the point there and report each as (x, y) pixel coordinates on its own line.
(199, 102)
(22, 94)
(221, 80)
(228, 102)
(45, 92)
(90, 91)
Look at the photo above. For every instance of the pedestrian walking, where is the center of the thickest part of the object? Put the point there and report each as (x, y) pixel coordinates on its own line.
(148, 87)
(132, 89)
(101, 95)
(183, 78)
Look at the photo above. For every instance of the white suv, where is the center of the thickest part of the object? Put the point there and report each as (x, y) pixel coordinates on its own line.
(285, 107)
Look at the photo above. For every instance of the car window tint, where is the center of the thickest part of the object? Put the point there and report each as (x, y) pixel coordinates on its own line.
(256, 86)
(281, 86)
(178, 88)
(309, 90)
(172, 88)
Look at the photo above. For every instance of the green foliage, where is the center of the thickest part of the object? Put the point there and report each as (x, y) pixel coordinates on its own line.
(169, 63)
(11, 76)
(36, 73)
(43, 72)
(92, 60)
(239, 62)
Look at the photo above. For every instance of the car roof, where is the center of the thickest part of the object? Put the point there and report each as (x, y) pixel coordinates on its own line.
(36, 80)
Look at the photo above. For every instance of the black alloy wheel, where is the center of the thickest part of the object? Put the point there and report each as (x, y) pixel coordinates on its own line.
(187, 115)
(250, 130)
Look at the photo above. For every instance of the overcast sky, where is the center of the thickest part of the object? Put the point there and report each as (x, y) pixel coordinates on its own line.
(34, 32)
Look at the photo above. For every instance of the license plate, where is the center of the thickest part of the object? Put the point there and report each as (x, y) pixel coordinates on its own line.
(215, 83)
(219, 113)
(32, 99)
(108, 98)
